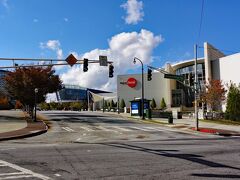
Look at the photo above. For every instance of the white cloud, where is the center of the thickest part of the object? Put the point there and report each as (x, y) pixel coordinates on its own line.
(53, 45)
(122, 49)
(134, 11)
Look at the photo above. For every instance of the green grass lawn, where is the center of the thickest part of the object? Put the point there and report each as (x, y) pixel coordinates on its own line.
(222, 121)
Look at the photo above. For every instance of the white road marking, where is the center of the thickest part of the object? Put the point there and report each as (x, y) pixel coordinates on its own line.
(154, 129)
(120, 128)
(142, 129)
(5, 149)
(105, 129)
(21, 172)
(68, 129)
(86, 129)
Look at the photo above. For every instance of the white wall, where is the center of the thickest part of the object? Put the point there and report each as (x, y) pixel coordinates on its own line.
(156, 88)
(230, 68)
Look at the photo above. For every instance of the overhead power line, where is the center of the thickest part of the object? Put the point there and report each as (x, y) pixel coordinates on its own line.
(201, 20)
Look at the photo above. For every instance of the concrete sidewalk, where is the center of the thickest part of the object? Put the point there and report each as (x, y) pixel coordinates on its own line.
(14, 124)
(189, 124)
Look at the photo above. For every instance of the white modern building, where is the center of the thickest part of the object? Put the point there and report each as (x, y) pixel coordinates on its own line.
(214, 65)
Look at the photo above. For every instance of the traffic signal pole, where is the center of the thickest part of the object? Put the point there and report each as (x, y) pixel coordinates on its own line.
(134, 61)
(195, 88)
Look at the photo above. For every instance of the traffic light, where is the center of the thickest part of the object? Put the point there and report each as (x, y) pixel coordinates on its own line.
(111, 67)
(149, 75)
(85, 65)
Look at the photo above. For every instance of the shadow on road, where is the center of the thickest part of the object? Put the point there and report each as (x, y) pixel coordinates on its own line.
(166, 153)
(217, 176)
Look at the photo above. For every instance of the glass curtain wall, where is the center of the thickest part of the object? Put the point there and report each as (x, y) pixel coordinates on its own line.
(187, 95)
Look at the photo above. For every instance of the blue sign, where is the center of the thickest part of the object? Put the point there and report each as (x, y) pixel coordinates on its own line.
(134, 107)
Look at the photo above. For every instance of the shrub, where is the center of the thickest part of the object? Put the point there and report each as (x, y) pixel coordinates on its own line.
(163, 104)
(153, 104)
(122, 104)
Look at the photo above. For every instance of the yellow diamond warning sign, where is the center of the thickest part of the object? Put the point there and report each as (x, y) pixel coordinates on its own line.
(71, 60)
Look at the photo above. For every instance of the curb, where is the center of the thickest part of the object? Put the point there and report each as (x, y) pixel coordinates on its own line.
(32, 129)
(219, 132)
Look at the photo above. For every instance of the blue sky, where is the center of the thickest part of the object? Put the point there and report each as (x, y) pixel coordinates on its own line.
(55, 28)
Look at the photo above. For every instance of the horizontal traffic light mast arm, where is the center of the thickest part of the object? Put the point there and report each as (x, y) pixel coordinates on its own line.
(165, 72)
(51, 64)
(39, 59)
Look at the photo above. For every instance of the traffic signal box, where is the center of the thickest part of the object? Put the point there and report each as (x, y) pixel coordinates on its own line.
(111, 67)
(149, 75)
(85, 65)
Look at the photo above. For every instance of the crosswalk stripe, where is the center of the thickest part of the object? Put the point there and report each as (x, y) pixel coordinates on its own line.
(105, 129)
(68, 129)
(153, 128)
(142, 129)
(121, 128)
(86, 129)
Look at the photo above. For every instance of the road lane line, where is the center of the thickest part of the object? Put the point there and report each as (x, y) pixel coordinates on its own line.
(9, 174)
(17, 177)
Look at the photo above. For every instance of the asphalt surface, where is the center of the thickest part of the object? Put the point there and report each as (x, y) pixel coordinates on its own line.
(85, 145)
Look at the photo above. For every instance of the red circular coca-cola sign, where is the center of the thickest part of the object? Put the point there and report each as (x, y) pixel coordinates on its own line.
(131, 82)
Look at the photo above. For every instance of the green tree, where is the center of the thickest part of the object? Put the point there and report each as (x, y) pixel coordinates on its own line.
(233, 103)
(44, 106)
(22, 82)
(153, 104)
(53, 105)
(76, 106)
(214, 94)
(163, 104)
(122, 104)
(112, 104)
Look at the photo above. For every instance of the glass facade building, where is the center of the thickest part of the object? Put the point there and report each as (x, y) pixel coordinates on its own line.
(184, 95)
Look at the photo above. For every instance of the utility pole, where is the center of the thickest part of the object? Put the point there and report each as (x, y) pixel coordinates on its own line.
(195, 88)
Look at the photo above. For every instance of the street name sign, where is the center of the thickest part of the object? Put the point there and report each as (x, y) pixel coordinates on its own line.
(173, 76)
(103, 60)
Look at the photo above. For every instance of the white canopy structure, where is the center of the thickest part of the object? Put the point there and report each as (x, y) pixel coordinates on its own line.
(100, 96)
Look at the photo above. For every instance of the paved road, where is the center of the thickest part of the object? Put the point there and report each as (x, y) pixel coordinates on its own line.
(97, 146)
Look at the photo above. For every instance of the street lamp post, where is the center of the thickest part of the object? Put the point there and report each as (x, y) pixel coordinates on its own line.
(35, 104)
(134, 61)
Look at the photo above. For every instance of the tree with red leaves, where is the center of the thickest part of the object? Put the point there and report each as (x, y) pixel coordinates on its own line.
(214, 94)
(22, 82)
